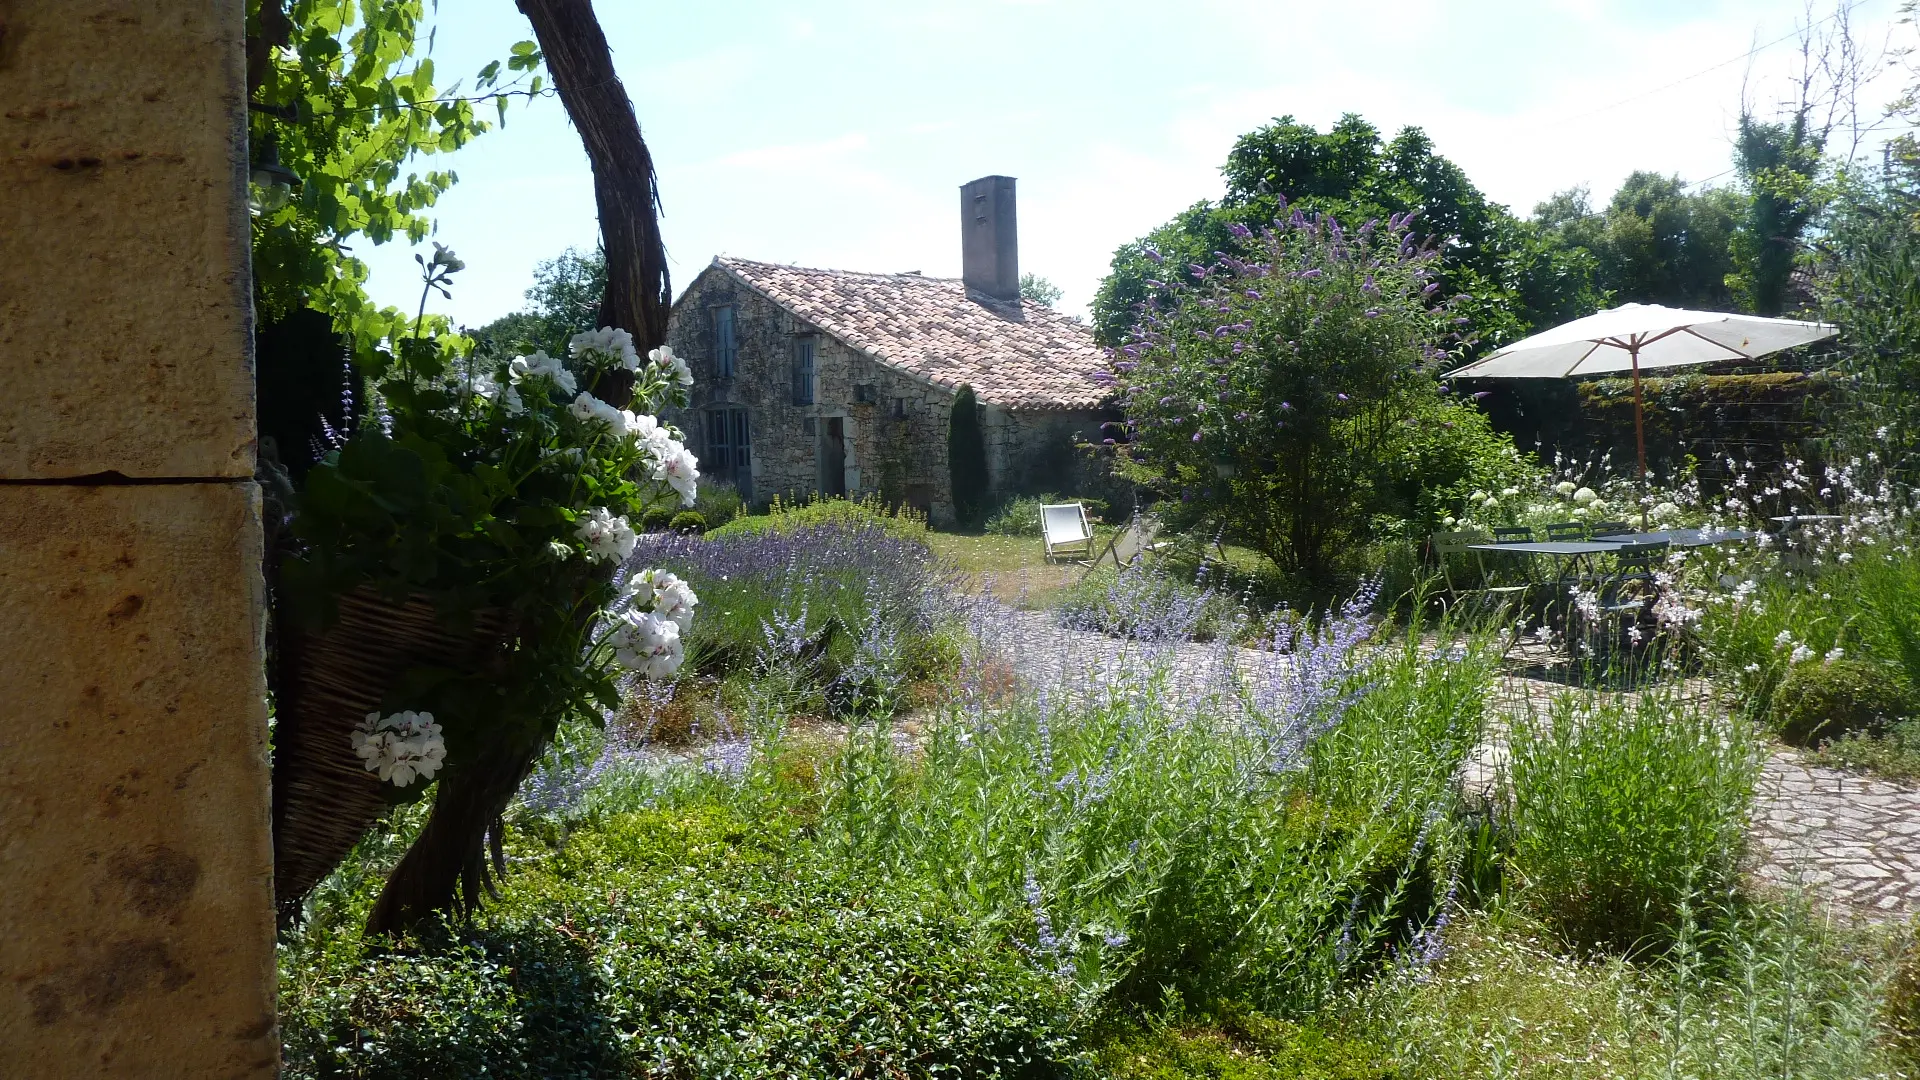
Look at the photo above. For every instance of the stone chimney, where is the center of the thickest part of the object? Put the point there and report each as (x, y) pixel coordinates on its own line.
(989, 242)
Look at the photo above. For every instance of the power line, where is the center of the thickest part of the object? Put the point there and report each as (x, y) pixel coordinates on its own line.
(1748, 55)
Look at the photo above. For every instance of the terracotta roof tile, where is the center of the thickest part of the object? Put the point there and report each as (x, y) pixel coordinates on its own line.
(1016, 356)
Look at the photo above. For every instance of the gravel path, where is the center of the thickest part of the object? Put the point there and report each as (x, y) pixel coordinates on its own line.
(1855, 840)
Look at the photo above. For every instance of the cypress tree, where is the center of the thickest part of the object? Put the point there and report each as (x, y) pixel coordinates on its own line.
(967, 458)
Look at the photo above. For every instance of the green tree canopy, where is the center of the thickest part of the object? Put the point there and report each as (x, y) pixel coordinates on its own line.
(563, 301)
(1513, 275)
(1656, 242)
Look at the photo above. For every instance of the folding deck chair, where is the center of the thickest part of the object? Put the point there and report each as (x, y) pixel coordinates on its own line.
(1065, 532)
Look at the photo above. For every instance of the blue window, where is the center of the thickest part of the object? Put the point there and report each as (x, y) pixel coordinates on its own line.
(726, 343)
(803, 370)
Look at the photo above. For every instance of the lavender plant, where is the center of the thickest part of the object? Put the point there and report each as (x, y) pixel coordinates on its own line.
(860, 608)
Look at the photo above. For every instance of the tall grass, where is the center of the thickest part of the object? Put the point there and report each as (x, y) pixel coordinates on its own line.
(1773, 993)
(1624, 811)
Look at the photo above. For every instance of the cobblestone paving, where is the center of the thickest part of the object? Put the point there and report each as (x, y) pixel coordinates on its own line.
(1854, 840)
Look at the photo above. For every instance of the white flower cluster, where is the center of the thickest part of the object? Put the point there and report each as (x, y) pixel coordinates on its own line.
(538, 366)
(664, 594)
(672, 461)
(622, 421)
(664, 357)
(609, 538)
(608, 345)
(648, 622)
(401, 746)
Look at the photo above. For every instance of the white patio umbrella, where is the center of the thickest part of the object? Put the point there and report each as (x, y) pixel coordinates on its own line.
(1635, 336)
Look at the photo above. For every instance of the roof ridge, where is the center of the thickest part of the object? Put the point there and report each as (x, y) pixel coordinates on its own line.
(914, 274)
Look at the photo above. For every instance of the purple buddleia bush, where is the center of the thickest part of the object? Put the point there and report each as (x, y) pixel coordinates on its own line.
(1289, 385)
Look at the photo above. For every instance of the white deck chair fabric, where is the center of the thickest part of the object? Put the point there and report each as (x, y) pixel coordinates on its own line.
(1064, 530)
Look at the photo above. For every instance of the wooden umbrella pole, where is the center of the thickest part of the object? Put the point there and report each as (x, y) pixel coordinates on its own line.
(1639, 433)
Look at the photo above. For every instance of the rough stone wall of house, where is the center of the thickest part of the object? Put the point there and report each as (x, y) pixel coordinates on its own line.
(136, 910)
(895, 444)
(1036, 450)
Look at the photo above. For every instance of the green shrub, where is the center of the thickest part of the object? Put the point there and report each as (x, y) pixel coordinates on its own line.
(660, 944)
(688, 521)
(1836, 698)
(718, 502)
(657, 519)
(782, 516)
(1622, 811)
(1893, 754)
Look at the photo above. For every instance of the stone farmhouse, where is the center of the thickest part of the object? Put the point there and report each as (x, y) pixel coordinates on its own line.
(843, 383)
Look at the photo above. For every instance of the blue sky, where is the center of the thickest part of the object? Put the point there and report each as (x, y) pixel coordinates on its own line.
(837, 134)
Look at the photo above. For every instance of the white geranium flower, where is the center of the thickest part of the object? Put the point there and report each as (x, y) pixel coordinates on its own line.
(673, 598)
(681, 470)
(591, 409)
(647, 644)
(540, 365)
(506, 393)
(608, 345)
(400, 747)
(608, 538)
(1586, 496)
(664, 357)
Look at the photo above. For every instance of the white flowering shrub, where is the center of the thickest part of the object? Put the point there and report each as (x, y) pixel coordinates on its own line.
(513, 490)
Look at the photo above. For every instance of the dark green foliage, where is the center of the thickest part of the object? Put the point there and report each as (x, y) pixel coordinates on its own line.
(1655, 243)
(967, 458)
(1780, 162)
(563, 301)
(688, 521)
(354, 106)
(718, 502)
(1869, 285)
(1250, 1047)
(1829, 700)
(656, 518)
(657, 944)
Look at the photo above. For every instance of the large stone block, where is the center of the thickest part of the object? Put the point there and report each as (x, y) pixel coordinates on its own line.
(124, 293)
(136, 908)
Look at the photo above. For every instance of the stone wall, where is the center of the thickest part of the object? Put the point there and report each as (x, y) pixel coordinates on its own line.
(896, 441)
(136, 914)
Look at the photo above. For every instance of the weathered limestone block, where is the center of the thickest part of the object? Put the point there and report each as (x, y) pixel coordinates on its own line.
(123, 290)
(136, 907)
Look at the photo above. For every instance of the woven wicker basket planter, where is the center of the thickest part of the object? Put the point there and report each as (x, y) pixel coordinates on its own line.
(324, 799)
